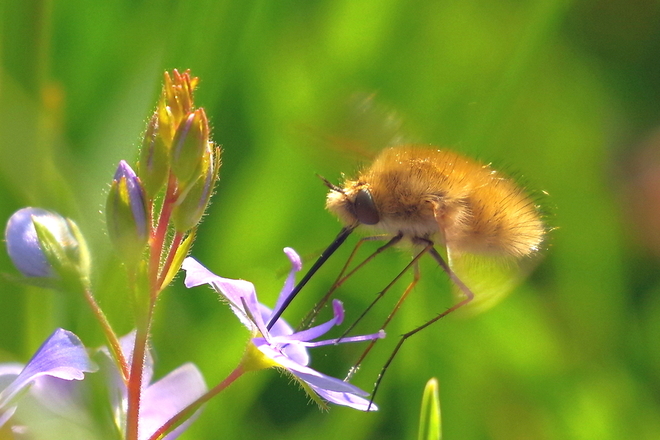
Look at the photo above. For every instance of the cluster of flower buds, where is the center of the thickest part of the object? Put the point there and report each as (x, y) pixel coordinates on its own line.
(151, 217)
(177, 145)
(177, 169)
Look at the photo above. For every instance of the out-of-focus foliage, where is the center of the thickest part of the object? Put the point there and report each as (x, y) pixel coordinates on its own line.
(559, 93)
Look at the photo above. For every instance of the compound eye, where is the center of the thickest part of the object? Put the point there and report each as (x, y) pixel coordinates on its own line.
(365, 208)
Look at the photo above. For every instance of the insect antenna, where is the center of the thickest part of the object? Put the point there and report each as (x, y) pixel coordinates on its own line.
(454, 278)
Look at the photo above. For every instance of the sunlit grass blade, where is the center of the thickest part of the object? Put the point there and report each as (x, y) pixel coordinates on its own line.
(430, 419)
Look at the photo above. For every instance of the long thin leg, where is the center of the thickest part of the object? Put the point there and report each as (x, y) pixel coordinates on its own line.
(414, 264)
(342, 277)
(468, 297)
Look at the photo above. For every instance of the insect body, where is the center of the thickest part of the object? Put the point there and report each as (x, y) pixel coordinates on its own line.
(441, 196)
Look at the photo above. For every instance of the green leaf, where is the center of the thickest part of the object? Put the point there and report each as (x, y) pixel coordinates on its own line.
(430, 420)
(180, 255)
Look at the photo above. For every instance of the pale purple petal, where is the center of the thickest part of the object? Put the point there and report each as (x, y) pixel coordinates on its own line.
(307, 374)
(62, 355)
(5, 414)
(55, 409)
(282, 329)
(321, 329)
(361, 338)
(236, 292)
(160, 400)
(294, 258)
(61, 397)
(196, 274)
(281, 344)
(164, 399)
(289, 284)
(345, 399)
(118, 392)
(135, 195)
(23, 245)
(8, 373)
(127, 344)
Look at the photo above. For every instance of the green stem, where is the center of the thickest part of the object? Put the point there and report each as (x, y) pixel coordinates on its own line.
(110, 335)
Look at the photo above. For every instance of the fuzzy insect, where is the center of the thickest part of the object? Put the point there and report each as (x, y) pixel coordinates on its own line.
(426, 197)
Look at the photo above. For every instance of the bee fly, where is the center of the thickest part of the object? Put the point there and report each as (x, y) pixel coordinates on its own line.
(426, 197)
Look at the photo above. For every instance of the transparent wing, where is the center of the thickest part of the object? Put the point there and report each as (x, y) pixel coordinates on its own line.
(490, 278)
(357, 126)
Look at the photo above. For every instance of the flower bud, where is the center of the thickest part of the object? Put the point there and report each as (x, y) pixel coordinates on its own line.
(189, 147)
(43, 244)
(177, 94)
(126, 214)
(191, 205)
(153, 167)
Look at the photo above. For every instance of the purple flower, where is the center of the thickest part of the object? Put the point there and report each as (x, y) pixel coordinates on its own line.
(23, 244)
(160, 400)
(126, 214)
(281, 347)
(62, 357)
(135, 195)
(48, 249)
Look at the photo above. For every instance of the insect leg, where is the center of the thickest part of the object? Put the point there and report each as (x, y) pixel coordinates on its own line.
(341, 278)
(468, 297)
(415, 266)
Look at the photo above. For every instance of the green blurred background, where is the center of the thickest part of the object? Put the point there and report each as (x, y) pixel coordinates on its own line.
(564, 94)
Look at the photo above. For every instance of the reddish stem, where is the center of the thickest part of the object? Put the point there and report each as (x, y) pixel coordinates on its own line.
(144, 322)
(158, 237)
(135, 381)
(188, 411)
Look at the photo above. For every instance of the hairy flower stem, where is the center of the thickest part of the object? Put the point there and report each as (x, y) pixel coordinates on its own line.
(110, 335)
(188, 411)
(135, 380)
(158, 238)
(144, 322)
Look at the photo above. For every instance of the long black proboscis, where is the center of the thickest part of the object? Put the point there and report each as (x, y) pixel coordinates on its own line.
(341, 237)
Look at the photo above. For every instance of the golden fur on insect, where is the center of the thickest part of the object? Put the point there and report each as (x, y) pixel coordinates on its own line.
(442, 196)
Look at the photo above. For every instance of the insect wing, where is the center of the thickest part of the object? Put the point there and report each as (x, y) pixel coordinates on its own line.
(490, 278)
